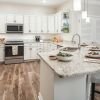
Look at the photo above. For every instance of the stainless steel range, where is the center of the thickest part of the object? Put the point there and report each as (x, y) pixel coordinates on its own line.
(14, 52)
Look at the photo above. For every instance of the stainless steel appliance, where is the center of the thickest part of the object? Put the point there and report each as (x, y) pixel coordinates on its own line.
(37, 38)
(14, 58)
(14, 28)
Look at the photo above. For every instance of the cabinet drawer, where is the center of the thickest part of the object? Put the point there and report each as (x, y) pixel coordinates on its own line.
(30, 44)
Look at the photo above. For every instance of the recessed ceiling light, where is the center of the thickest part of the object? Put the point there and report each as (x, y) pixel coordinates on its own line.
(44, 1)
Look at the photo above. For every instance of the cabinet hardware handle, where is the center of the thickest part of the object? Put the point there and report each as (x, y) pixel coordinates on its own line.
(15, 21)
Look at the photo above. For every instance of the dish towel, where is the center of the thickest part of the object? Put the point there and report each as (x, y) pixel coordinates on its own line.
(14, 50)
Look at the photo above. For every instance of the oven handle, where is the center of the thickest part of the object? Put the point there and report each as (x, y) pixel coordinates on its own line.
(13, 45)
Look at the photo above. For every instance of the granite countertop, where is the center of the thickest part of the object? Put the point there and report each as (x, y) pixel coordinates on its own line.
(76, 67)
(66, 44)
(33, 41)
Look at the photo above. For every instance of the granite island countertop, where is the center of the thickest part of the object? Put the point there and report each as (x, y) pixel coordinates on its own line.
(76, 67)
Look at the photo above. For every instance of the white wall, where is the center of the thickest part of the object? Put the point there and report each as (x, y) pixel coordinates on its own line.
(91, 31)
(25, 9)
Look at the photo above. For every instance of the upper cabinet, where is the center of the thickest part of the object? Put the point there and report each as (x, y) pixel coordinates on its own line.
(14, 19)
(2, 23)
(44, 25)
(30, 24)
(51, 24)
(38, 24)
(33, 23)
(58, 21)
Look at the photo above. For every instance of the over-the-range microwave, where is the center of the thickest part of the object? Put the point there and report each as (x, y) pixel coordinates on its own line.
(14, 28)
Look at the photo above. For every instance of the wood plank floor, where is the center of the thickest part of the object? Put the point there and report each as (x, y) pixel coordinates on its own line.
(19, 81)
(97, 96)
(22, 81)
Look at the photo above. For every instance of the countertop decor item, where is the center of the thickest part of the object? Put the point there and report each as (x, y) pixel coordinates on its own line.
(2, 40)
(64, 56)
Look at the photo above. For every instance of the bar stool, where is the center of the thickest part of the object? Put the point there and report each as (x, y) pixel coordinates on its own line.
(94, 79)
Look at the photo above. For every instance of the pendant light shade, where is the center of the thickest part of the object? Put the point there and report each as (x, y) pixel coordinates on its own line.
(88, 20)
(77, 5)
(84, 14)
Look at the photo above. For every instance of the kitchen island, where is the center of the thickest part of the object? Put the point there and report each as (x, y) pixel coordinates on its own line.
(66, 80)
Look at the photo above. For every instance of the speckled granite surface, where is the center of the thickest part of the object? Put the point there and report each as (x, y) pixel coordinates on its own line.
(76, 67)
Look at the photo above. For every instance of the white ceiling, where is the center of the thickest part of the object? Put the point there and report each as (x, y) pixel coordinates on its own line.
(51, 3)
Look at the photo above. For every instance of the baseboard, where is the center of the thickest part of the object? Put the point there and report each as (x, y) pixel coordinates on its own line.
(40, 96)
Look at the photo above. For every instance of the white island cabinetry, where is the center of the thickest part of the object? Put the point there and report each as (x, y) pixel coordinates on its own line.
(66, 80)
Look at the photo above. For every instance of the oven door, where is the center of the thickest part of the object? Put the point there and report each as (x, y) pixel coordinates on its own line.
(9, 52)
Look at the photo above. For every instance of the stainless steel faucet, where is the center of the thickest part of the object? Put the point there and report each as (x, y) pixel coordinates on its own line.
(79, 39)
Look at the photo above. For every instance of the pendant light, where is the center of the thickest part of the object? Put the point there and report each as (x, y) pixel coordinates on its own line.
(87, 18)
(84, 13)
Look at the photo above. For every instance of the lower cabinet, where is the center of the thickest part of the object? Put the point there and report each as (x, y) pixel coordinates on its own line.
(32, 49)
(1, 52)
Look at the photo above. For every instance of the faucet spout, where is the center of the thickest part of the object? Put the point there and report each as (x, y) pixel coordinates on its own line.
(79, 39)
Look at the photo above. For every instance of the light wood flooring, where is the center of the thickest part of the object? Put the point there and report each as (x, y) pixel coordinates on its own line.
(19, 81)
(97, 96)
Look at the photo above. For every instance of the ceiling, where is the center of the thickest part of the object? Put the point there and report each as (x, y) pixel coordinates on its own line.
(50, 3)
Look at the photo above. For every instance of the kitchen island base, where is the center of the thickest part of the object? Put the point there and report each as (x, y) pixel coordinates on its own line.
(53, 87)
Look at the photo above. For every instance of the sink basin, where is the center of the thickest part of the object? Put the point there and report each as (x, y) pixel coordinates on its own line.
(69, 49)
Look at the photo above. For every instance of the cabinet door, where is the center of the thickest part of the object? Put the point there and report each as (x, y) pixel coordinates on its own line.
(2, 23)
(56, 23)
(38, 24)
(59, 15)
(19, 19)
(51, 24)
(27, 52)
(44, 24)
(29, 24)
(34, 51)
(26, 24)
(11, 18)
(15, 19)
(32, 24)
(1, 53)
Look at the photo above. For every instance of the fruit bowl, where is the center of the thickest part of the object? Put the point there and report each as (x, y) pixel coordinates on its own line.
(64, 56)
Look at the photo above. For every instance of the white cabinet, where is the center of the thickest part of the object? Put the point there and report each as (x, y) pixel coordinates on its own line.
(1, 52)
(29, 24)
(14, 19)
(44, 24)
(59, 18)
(2, 23)
(51, 24)
(56, 23)
(30, 51)
(38, 24)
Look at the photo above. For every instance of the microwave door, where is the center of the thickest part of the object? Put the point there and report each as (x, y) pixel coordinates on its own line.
(11, 29)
